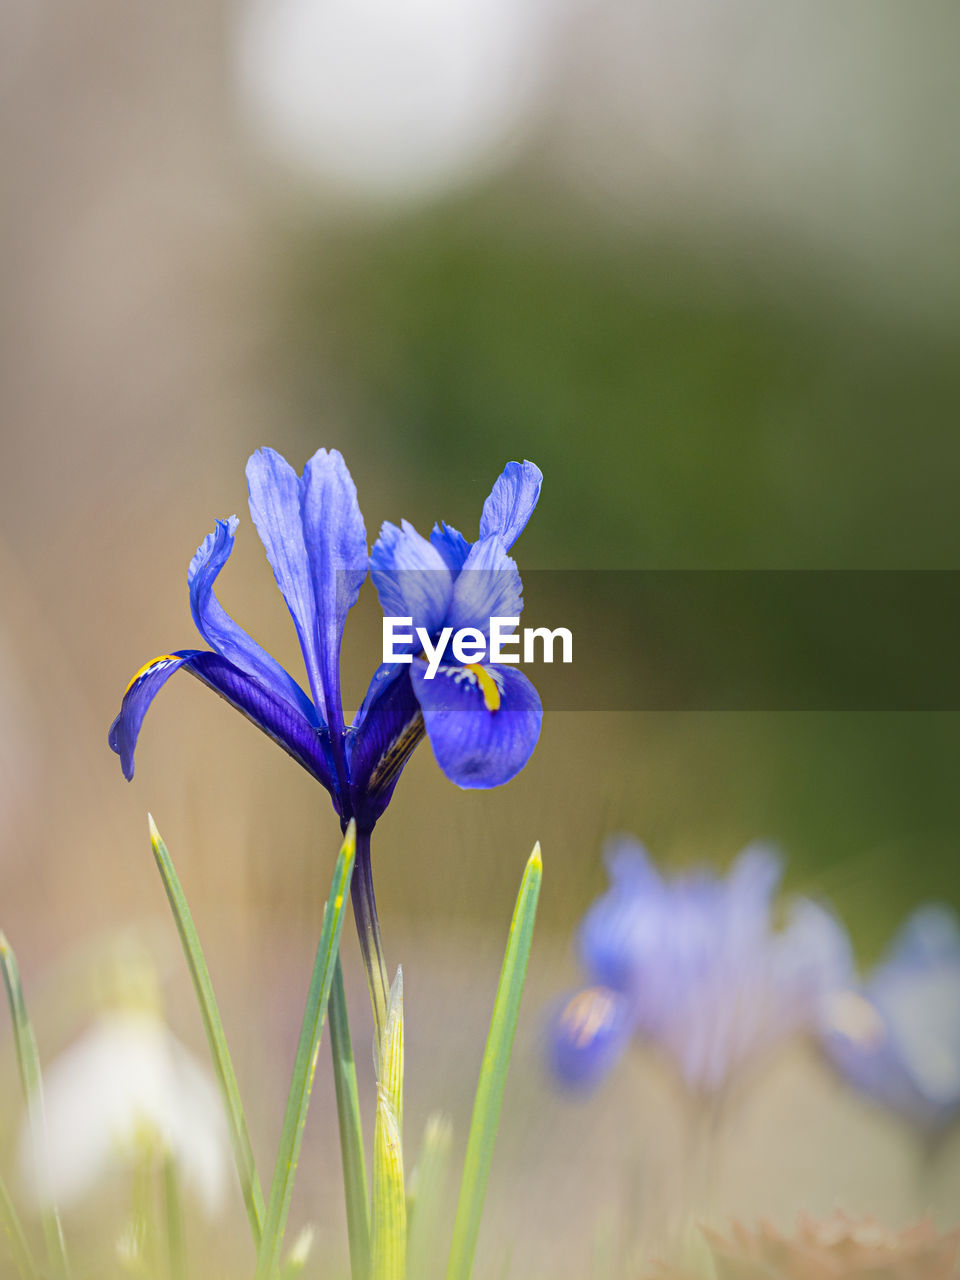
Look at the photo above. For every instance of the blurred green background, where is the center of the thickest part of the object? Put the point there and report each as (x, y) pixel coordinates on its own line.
(705, 273)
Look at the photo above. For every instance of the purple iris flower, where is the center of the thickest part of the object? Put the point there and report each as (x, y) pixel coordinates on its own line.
(483, 721)
(896, 1036)
(694, 965)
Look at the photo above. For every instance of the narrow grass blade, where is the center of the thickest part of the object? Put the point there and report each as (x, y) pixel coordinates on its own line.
(493, 1073)
(173, 1212)
(305, 1065)
(351, 1130)
(16, 1240)
(213, 1026)
(425, 1204)
(31, 1081)
(389, 1245)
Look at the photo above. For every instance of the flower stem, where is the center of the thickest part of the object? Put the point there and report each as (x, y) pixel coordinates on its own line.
(368, 930)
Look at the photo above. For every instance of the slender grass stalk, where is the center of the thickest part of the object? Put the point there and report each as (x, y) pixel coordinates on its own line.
(31, 1081)
(173, 1213)
(305, 1065)
(16, 1239)
(213, 1026)
(389, 1244)
(425, 1205)
(493, 1073)
(351, 1130)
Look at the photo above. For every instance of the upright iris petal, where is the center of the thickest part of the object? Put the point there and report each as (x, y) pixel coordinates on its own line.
(275, 510)
(411, 576)
(336, 543)
(488, 586)
(451, 544)
(511, 502)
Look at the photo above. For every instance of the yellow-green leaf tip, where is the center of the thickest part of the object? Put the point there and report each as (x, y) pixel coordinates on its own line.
(155, 837)
(535, 860)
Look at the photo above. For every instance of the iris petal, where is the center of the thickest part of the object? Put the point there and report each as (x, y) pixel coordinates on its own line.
(307, 744)
(452, 545)
(389, 727)
(474, 746)
(336, 543)
(275, 509)
(223, 634)
(140, 692)
(587, 1035)
(488, 586)
(411, 577)
(511, 502)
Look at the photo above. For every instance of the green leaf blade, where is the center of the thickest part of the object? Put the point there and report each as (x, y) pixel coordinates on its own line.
(426, 1203)
(389, 1244)
(305, 1064)
(351, 1130)
(216, 1038)
(493, 1073)
(31, 1081)
(16, 1238)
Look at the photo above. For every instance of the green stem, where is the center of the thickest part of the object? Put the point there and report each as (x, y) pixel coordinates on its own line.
(173, 1209)
(368, 931)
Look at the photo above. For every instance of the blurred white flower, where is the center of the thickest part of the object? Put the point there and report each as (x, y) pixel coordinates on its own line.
(126, 1086)
(392, 100)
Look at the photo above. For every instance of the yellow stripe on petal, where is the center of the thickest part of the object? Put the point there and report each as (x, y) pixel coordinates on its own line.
(147, 667)
(488, 686)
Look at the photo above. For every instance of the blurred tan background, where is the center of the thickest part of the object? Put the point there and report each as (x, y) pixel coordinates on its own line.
(699, 262)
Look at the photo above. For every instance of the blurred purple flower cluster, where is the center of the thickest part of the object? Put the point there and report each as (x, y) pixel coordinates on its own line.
(696, 966)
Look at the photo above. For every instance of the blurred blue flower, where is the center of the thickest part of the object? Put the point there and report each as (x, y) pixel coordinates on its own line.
(694, 965)
(483, 721)
(896, 1036)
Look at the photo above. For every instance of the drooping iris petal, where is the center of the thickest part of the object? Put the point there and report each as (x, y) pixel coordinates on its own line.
(336, 542)
(587, 1035)
(388, 728)
(452, 545)
(275, 510)
(307, 744)
(223, 634)
(483, 722)
(511, 502)
(139, 693)
(411, 577)
(488, 586)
